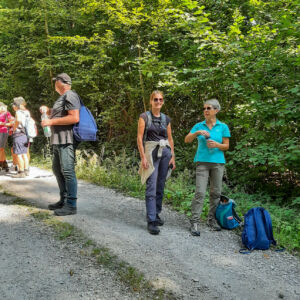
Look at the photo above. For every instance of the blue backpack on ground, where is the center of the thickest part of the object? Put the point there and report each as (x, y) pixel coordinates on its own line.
(86, 129)
(258, 231)
(226, 214)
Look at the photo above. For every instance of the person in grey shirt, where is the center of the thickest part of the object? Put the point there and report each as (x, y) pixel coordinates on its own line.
(63, 115)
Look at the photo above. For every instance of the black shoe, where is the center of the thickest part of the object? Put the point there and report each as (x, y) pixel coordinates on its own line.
(66, 210)
(194, 229)
(213, 224)
(152, 228)
(56, 205)
(159, 221)
(5, 166)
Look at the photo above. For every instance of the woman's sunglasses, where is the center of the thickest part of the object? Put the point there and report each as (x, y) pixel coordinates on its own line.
(158, 99)
(207, 108)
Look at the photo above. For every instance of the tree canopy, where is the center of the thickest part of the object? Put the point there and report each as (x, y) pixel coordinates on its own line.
(245, 53)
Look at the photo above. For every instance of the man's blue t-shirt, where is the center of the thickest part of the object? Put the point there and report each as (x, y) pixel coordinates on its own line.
(217, 133)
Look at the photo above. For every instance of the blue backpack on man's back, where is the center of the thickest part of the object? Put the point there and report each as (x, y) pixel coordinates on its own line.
(258, 231)
(86, 129)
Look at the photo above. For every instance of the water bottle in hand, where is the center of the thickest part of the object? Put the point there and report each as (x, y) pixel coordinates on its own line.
(47, 129)
(210, 150)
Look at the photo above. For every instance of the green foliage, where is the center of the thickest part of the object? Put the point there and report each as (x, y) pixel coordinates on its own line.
(245, 53)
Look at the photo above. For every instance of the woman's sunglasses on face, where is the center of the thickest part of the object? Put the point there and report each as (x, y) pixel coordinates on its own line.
(158, 99)
(207, 108)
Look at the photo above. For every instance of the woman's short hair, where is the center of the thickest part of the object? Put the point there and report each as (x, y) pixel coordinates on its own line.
(214, 103)
(18, 101)
(155, 93)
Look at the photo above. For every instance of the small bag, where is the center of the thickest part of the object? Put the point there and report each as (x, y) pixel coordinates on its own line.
(30, 127)
(226, 214)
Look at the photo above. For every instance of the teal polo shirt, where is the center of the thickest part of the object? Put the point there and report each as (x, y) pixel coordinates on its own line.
(217, 133)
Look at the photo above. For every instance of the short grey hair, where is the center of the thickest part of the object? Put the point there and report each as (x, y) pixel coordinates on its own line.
(214, 103)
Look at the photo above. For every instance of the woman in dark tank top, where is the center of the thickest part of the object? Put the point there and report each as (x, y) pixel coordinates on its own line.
(156, 148)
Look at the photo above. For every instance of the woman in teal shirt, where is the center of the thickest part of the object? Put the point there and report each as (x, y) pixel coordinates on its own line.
(213, 139)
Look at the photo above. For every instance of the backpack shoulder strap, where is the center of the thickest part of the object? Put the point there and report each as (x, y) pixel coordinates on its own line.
(149, 120)
(269, 227)
(81, 102)
(147, 125)
(234, 214)
(163, 120)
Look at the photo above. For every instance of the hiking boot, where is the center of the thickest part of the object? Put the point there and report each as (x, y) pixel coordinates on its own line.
(5, 166)
(159, 221)
(152, 228)
(56, 205)
(26, 171)
(213, 224)
(195, 229)
(21, 174)
(66, 210)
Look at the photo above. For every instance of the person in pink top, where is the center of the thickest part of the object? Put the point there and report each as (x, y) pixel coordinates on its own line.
(5, 118)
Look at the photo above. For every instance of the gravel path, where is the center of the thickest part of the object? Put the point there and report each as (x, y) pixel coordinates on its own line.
(208, 267)
(35, 265)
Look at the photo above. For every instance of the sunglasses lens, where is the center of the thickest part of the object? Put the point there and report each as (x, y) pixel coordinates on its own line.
(206, 108)
(158, 99)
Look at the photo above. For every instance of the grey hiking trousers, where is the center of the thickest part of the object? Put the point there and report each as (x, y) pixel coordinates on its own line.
(204, 171)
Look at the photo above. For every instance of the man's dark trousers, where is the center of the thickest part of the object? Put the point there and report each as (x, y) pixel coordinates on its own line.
(63, 166)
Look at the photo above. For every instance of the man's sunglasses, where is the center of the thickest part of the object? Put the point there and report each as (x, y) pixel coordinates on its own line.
(207, 108)
(158, 99)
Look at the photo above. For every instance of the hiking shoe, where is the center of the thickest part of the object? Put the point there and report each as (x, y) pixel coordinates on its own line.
(159, 221)
(56, 205)
(19, 175)
(195, 229)
(5, 166)
(213, 224)
(26, 171)
(66, 210)
(152, 228)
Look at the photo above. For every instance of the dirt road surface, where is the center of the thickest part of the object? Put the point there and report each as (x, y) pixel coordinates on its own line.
(205, 267)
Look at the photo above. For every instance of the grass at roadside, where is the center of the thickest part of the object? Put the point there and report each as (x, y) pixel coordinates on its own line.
(120, 172)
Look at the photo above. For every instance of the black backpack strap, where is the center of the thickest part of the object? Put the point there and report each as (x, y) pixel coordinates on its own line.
(235, 215)
(147, 125)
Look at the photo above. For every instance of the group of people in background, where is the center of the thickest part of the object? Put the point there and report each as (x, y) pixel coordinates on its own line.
(15, 127)
(155, 144)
